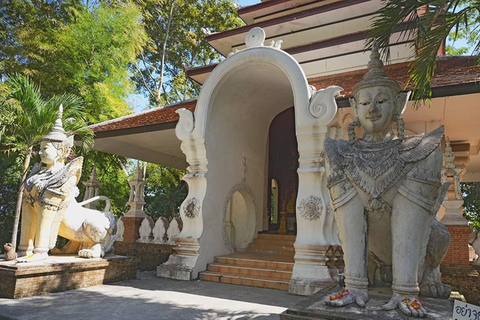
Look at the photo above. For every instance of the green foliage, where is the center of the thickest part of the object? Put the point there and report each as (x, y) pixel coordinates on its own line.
(10, 168)
(471, 204)
(94, 54)
(69, 47)
(175, 41)
(111, 176)
(428, 23)
(80, 48)
(164, 192)
(25, 116)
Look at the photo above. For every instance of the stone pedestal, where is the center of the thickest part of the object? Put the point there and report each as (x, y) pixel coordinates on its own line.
(150, 255)
(181, 263)
(315, 308)
(62, 273)
(315, 268)
(465, 279)
(453, 213)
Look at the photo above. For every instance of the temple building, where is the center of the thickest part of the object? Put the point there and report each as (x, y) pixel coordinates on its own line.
(252, 142)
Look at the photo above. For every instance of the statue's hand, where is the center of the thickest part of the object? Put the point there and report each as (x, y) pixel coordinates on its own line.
(409, 305)
(348, 296)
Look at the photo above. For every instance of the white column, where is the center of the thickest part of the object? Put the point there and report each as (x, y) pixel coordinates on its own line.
(316, 236)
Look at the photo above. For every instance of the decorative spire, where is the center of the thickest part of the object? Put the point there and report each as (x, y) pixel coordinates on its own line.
(376, 76)
(375, 65)
(93, 175)
(58, 133)
(448, 155)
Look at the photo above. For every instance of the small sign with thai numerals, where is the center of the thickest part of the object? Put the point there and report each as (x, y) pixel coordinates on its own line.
(465, 311)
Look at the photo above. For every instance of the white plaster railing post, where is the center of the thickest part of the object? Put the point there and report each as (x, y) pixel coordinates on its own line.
(315, 220)
(173, 231)
(159, 231)
(120, 229)
(145, 230)
(181, 263)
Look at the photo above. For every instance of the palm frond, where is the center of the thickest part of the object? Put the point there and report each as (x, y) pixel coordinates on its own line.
(427, 23)
(26, 117)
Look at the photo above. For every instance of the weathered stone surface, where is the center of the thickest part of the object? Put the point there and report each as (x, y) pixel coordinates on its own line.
(150, 255)
(464, 279)
(315, 308)
(62, 273)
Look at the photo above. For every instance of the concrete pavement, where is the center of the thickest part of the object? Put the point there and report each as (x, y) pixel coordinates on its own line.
(150, 297)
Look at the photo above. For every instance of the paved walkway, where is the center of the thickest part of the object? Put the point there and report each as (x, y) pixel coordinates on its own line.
(150, 297)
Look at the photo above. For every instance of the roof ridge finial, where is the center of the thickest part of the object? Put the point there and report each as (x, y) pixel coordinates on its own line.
(375, 65)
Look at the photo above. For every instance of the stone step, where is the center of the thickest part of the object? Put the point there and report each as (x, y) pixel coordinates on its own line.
(279, 252)
(267, 263)
(277, 237)
(271, 247)
(270, 274)
(244, 280)
(277, 264)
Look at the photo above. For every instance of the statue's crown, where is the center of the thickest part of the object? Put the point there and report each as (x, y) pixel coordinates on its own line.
(376, 76)
(58, 133)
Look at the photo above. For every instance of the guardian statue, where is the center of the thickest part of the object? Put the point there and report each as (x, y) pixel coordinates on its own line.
(49, 207)
(386, 190)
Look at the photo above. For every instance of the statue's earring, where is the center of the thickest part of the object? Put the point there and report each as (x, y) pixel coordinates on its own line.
(400, 127)
(351, 129)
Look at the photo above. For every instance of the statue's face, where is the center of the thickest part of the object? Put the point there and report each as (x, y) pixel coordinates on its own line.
(48, 153)
(375, 108)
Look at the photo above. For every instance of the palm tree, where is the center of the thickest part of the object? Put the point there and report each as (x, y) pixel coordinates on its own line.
(428, 23)
(26, 116)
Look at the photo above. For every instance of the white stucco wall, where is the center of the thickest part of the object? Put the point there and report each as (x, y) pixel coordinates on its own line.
(241, 110)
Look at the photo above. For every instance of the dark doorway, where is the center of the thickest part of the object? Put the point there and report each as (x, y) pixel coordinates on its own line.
(282, 172)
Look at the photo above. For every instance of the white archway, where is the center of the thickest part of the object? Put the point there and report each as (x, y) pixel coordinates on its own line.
(225, 142)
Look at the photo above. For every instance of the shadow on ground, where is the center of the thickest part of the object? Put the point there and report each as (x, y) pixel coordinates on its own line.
(149, 297)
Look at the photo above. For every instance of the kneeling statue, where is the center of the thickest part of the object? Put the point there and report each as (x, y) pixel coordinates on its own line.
(386, 190)
(49, 207)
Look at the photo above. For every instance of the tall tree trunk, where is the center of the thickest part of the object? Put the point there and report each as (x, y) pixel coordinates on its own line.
(164, 53)
(18, 209)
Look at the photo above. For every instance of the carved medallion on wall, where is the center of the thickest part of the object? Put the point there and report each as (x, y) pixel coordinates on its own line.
(310, 208)
(191, 208)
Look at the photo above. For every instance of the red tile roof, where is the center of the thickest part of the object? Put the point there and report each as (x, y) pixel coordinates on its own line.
(159, 115)
(450, 71)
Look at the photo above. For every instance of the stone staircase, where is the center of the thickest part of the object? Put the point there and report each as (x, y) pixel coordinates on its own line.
(267, 263)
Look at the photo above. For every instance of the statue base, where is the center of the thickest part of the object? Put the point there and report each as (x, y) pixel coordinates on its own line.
(62, 273)
(315, 308)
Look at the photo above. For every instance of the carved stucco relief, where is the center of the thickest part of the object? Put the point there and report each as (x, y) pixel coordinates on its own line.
(310, 208)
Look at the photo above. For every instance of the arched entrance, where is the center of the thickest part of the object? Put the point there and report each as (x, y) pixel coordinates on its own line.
(226, 144)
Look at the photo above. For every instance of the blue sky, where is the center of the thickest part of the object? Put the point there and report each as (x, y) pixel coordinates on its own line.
(244, 3)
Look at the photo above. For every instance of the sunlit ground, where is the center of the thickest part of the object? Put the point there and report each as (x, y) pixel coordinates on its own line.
(150, 297)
